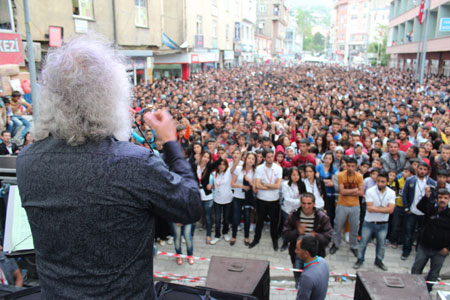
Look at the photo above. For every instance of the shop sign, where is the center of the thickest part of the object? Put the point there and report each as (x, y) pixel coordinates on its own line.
(194, 59)
(11, 49)
(55, 36)
(444, 24)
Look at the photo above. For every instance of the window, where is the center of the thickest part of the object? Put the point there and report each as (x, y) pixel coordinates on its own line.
(238, 8)
(199, 25)
(276, 9)
(227, 32)
(83, 8)
(342, 35)
(214, 2)
(342, 47)
(354, 17)
(262, 8)
(214, 29)
(6, 20)
(227, 5)
(141, 13)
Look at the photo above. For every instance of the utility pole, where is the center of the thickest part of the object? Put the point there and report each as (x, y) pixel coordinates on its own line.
(424, 49)
(31, 61)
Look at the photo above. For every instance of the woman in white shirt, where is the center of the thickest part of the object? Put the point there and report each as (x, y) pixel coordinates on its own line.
(223, 195)
(243, 183)
(291, 191)
(315, 186)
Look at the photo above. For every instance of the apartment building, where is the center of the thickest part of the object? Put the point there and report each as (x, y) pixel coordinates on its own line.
(273, 21)
(132, 25)
(406, 34)
(356, 24)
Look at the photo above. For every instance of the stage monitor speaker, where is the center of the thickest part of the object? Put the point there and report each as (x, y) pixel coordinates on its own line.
(14, 293)
(245, 276)
(381, 286)
(172, 291)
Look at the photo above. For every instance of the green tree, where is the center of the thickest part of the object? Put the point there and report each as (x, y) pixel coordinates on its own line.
(319, 41)
(304, 21)
(379, 46)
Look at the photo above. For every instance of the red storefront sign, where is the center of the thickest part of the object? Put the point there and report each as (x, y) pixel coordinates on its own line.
(194, 59)
(55, 36)
(11, 49)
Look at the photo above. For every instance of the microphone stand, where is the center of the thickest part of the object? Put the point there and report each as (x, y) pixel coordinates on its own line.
(145, 138)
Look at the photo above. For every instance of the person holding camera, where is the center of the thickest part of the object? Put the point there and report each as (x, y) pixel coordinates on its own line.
(434, 242)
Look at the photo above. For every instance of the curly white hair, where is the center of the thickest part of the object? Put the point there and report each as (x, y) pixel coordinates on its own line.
(85, 93)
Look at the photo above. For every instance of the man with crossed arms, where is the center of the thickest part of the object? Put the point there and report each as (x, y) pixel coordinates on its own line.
(380, 203)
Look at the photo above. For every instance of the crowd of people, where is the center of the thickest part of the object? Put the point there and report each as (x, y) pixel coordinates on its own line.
(325, 151)
(329, 151)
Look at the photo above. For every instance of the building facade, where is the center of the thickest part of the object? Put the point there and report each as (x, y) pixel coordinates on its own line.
(273, 21)
(406, 34)
(128, 23)
(355, 25)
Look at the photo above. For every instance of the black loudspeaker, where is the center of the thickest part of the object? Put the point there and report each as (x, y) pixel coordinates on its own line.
(381, 286)
(172, 291)
(14, 293)
(245, 276)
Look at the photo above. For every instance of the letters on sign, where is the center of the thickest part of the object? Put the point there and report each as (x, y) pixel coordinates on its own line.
(9, 45)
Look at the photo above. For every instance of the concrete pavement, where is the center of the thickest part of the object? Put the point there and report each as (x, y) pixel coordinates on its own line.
(341, 262)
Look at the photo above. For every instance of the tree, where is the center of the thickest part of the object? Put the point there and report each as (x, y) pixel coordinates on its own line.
(319, 41)
(379, 46)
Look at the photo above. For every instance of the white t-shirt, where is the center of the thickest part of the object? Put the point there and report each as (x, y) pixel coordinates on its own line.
(374, 195)
(222, 187)
(314, 189)
(240, 174)
(418, 194)
(268, 175)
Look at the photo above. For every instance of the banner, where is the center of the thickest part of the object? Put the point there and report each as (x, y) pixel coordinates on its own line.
(421, 12)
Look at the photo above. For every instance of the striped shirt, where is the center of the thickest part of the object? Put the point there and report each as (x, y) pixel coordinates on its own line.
(308, 220)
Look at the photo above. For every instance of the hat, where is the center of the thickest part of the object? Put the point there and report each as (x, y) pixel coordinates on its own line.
(356, 133)
(358, 144)
(339, 148)
(258, 122)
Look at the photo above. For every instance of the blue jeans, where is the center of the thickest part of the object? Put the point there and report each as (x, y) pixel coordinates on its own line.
(380, 232)
(436, 262)
(207, 205)
(18, 122)
(238, 204)
(398, 219)
(410, 222)
(298, 264)
(222, 212)
(184, 230)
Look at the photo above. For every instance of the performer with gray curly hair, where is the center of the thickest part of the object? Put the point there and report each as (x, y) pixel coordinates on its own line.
(90, 195)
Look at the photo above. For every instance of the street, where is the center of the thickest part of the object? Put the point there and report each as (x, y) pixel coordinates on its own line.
(340, 263)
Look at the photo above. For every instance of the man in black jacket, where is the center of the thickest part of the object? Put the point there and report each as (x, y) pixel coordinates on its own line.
(6, 147)
(434, 242)
(90, 196)
(307, 220)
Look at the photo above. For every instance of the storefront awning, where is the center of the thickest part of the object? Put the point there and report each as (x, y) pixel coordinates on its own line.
(137, 53)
